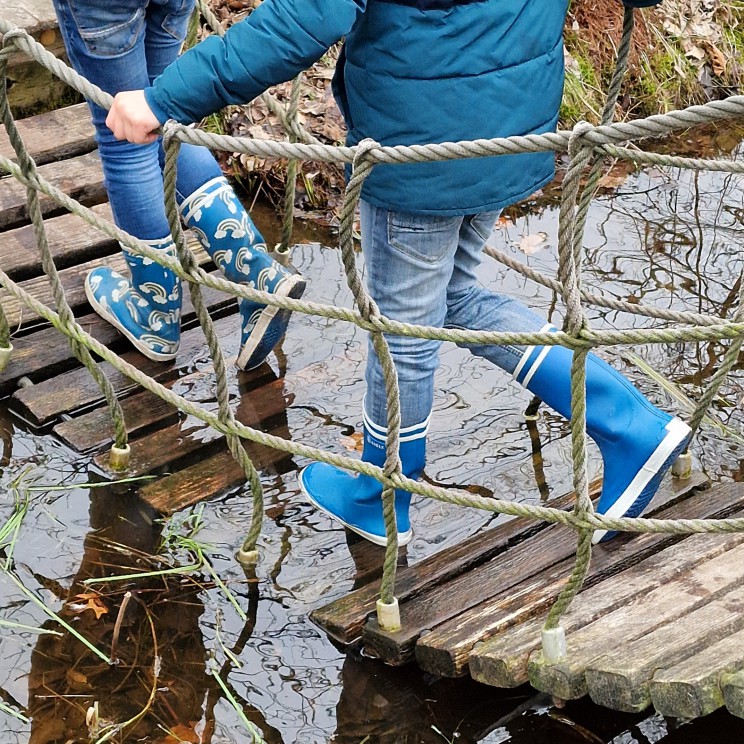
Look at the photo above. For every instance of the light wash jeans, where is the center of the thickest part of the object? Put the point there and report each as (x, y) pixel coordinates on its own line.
(422, 269)
(124, 45)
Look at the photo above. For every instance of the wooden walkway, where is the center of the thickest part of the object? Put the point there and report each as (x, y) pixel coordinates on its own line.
(660, 619)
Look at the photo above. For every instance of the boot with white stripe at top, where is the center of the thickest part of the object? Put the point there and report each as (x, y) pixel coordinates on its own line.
(355, 499)
(638, 442)
(228, 234)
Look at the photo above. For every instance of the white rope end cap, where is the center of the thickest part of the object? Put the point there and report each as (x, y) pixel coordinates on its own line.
(388, 615)
(554, 644)
(119, 458)
(247, 558)
(682, 467)
(5, 356)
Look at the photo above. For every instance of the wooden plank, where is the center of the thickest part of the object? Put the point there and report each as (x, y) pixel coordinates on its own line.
(445, 649)
(733, 693)
(344, 618)
(55, 135)
(73, 283)
(172, 444)
(80, 177)
(145, 410)
(699, 583)
(32, 15)
(71, 241)
(42, 403)
(94, 430)
(502, 661)
(620, 679)
(692, 688)
(46, 352)
(220, 473)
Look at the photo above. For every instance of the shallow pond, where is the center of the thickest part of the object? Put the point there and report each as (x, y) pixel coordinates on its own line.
(668, 238)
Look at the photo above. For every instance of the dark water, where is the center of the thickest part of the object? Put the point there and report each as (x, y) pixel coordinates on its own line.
(665, 238)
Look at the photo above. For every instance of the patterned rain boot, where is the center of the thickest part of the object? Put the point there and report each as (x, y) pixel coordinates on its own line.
(227, 233)
(147, 307)
(354, 499)
(637, 441)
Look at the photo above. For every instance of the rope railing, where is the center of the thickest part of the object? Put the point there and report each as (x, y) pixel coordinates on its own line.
(587, 147)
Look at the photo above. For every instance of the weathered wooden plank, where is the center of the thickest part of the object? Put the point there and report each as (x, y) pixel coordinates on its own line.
(55, 135)
(32, 15)
(94, 429)
(46, 352)
(42, 403)
(502, 661)
(344, 618)
(80, 177)
(699, 584)
(175, 443)
(71, 241)
(72, 280)
(620, 679)
(540, 566)
(733, 693)
(264, 395)
(692, 688)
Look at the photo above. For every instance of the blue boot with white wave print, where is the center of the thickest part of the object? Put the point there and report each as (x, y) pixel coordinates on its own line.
(228, 234)
(146, 306)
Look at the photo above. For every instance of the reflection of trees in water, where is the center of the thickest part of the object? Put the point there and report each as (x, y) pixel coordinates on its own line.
(163, 621)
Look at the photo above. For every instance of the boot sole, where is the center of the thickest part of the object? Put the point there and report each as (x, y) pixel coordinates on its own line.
(110, 318)
(294, 290)
(643, 487)
(403, 537)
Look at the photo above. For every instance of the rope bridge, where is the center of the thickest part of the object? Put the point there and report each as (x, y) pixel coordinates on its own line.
(587, 146)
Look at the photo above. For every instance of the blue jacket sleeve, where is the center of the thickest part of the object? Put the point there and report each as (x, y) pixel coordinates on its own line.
(275, 43)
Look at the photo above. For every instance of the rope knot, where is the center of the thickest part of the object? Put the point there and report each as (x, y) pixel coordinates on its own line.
(13, 35)
(577, 140)
(361, 155)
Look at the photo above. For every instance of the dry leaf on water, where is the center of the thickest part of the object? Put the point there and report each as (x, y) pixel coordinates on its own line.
(88, 601)
(533, 243)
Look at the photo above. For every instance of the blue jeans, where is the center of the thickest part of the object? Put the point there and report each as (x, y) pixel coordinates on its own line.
(422, 269)
(124, 45)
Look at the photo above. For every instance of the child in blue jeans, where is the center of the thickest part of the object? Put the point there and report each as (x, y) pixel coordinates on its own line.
(417, 72)
(122, 46)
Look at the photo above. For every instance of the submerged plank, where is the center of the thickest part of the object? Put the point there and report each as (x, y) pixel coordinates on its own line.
(692, 688)
(80, 178)
(502, 661)
(541, 566)
(220, 473)
(620, 679)
(54, 135)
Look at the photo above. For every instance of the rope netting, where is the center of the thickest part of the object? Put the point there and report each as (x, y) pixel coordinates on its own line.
(588, 147)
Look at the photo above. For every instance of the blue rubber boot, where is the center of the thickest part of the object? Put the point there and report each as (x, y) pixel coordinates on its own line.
(637, 441)
(146, 307)
(228, 234)
(354, 499)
